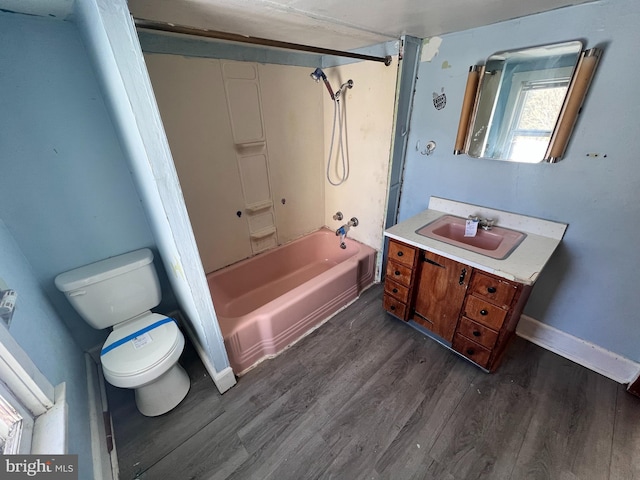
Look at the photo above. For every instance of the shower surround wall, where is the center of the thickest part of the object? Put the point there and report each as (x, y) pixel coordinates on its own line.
(369, 122)
(248, 162)
(296, 115)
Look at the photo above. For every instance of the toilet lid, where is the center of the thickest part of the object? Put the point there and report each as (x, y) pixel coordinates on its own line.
(139, 345)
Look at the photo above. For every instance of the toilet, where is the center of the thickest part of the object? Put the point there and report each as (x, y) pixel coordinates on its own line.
(143, 349)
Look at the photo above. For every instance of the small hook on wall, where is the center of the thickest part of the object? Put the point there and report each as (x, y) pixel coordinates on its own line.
(428, 148)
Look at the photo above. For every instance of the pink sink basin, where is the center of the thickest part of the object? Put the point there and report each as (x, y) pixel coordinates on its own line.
(496, 243)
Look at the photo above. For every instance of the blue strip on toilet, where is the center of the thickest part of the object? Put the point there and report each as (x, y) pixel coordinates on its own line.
(124, 340)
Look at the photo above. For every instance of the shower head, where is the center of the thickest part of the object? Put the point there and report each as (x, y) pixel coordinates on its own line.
(318, 75)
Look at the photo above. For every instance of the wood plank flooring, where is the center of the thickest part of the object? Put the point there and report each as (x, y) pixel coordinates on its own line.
(367, 397)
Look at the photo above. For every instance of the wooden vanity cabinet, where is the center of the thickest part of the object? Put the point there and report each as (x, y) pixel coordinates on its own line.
(470, 311)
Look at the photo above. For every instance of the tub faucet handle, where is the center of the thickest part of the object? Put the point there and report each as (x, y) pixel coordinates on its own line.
(338, 216)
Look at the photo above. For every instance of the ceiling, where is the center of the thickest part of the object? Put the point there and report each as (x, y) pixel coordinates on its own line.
(336, 24)
(339, 24)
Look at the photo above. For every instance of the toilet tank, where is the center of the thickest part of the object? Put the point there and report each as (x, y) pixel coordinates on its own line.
(111, 291)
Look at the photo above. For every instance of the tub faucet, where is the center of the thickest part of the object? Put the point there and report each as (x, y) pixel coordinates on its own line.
(342, 231)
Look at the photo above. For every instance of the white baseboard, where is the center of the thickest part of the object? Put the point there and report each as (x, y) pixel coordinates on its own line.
(103, 467)
(223, 380)
(589, 355)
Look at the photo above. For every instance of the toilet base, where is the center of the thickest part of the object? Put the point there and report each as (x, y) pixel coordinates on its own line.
(163, 394)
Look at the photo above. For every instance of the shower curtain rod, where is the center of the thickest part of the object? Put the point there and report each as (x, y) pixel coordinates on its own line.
(234, 37)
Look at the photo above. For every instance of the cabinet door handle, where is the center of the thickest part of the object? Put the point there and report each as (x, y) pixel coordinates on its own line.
(491, 289)
(400, 254)
(483, 312)
(397, 272)
(463, 274)
(476, 333)
(428, 260)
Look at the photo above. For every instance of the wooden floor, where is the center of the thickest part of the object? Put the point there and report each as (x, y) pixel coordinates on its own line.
(367, 397)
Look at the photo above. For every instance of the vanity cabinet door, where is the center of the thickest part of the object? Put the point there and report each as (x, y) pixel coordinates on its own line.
(441, 288)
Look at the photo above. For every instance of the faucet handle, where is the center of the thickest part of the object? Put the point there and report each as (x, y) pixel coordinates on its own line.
(338, 216)
(487, 223)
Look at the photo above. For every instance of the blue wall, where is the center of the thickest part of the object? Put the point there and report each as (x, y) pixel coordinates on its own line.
(45, 338)
(67, 195)
(588, 288)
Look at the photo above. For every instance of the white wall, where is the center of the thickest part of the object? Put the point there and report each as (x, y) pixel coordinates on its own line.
(370, 109)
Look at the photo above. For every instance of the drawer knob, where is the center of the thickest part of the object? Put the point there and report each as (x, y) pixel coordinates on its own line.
(397, 272)
(470, 351)
(395, 290)
(392, 307)
(491, 289)
(400, 254)
(483, 312)
(476, 333)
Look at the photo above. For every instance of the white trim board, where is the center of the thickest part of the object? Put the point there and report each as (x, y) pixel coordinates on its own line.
(589, 355)
(47, 403)
(224, 379)
(102, 468)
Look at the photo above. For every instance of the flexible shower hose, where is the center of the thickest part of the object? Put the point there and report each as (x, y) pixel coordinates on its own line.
(345, 161)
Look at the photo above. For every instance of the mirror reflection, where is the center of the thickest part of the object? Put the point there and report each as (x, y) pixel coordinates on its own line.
(520, 97)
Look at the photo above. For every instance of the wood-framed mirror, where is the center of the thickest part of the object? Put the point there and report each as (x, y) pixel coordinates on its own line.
(521, 105)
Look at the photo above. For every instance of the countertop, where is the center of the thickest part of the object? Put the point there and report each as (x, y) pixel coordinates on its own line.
(523, 265)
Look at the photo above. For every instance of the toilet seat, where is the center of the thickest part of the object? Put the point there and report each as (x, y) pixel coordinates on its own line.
(156, 348)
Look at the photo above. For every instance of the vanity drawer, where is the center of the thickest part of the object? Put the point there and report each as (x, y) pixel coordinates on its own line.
(499, 292)
(401, 253)
(478, 333)
(472, 350)
(395, 307)
(484, 312)
(398, 273)
(396, 290)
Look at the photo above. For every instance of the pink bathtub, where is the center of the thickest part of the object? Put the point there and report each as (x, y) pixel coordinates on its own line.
(269, 301)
